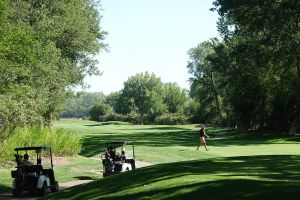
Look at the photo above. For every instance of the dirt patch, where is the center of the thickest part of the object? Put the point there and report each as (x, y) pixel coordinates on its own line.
(58, 161)
(140, 164)
(73, 183)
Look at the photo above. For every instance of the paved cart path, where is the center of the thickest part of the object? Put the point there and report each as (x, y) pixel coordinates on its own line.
(27, 196)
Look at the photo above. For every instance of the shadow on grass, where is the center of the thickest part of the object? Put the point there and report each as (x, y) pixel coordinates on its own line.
(250, 139)
(84, 178)
(245, 177)
(159, 128)
(4, 188)
(109, 123)
(167, 136)
(293, 138)
(93, 144)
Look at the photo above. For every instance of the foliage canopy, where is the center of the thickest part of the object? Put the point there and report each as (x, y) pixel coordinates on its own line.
(46, 48)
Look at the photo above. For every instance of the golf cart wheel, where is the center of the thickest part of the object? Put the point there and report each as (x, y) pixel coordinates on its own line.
(55, 187)
(43, 190)
(16, 192)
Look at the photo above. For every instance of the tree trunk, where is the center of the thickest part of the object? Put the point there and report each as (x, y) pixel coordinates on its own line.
(142, 118)
(48, 119)
(297, 120)
(216, 96)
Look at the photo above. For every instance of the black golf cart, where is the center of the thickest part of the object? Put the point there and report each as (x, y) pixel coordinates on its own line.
(31, 175)
(116, 158)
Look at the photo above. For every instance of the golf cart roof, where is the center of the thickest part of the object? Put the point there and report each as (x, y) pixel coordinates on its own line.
(119, 142)
(31, 148)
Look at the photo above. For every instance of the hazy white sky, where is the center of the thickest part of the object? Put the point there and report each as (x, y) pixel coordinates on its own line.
(153, 36)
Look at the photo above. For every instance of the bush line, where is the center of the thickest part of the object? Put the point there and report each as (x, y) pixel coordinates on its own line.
(62, 141)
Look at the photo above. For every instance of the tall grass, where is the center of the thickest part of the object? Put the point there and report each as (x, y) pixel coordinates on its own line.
(62, 141)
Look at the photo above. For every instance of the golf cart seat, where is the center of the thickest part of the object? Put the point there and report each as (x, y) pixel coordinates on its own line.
(118, 158)
(34, 168)
(15, 174)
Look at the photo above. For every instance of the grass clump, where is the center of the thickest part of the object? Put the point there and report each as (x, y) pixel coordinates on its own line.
(62, 141)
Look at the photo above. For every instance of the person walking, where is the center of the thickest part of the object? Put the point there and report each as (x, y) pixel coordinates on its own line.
(202, 136)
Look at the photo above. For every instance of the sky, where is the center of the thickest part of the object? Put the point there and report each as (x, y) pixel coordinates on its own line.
(153, 36)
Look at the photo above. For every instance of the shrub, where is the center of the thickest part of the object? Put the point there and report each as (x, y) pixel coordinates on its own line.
(99, 110)
(171, 119)
(112, 117)
(133, 118)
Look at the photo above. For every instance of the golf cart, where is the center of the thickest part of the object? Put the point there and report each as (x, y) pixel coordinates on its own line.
(116, 159)
(31, 175)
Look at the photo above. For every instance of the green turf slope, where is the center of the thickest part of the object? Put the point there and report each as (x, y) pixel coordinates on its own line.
(242, 177)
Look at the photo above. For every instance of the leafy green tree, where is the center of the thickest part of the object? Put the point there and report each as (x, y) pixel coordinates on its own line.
(144, 90)
(19, 96)
(174, 98)
(263, 48)
(205, 81)
(46, 48)
(74, 29)
(113, 99)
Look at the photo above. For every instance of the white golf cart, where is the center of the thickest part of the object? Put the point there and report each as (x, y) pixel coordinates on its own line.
(116, 158)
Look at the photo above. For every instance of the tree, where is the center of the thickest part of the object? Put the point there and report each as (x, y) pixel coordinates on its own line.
(46, 48)
(144, 91)
(74, 29)
(174, 98)
(204, 81)
(112, 99)
(263, 48)
(19, 98)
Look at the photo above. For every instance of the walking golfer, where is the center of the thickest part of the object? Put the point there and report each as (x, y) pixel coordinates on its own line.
(202, 136)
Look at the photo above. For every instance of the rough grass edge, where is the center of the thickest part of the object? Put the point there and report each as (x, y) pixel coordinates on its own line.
(62, 141)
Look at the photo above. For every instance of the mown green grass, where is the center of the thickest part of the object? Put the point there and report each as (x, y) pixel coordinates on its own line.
(240, 177)
(250, 166)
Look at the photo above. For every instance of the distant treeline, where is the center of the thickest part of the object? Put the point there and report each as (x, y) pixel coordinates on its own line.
(79, 105)
(144, 99)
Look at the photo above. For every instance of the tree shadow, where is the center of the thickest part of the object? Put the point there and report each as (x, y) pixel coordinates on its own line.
(109, 123)
(160, 128)
(93, 144)
(84, 178)
(243, 177)
(4, 188)
(168, 136)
